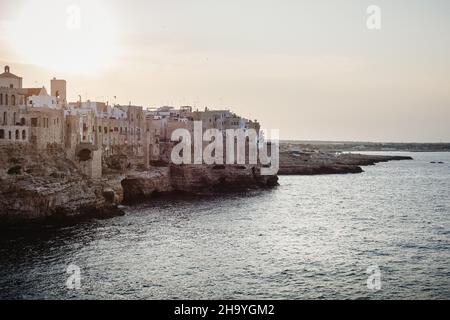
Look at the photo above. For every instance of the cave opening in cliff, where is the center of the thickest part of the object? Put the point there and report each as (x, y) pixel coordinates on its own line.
(84, 155)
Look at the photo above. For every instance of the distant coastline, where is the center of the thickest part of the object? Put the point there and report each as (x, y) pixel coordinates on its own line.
(313, 159)
(355, 146)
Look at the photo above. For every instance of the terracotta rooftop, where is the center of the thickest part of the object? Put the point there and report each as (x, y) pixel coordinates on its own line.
(33, 91)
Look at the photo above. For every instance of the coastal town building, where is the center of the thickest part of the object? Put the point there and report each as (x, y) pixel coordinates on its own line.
(93, 134)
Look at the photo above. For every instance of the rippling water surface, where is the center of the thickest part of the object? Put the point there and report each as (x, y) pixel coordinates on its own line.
(312, 237)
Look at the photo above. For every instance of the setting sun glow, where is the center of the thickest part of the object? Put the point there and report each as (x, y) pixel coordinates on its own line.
(76, 36)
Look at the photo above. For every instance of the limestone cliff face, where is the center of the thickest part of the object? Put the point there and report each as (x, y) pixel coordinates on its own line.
(46, 185)
(193, 178)
(28, 197)
(38, 185)
(140, 186)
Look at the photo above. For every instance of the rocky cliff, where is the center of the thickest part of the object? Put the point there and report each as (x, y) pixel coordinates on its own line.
(139, 186)
(36, 185)
(191, 178)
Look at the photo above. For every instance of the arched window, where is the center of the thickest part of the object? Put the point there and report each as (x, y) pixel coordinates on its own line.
(2, 134)
(24, 135)
(6, 99)
(17, 135)
(13, 100)
(9, 135)
(1, 98)
(5, 118)
(14, 118)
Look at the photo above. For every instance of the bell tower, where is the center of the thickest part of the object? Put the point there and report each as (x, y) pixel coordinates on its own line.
(9, 80)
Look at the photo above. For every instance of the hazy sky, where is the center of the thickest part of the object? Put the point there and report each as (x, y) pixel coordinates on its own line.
(310, 68)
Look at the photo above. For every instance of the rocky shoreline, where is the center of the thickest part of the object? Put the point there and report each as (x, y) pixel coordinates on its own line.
(317, 162)
(192, 179)
(46, 186)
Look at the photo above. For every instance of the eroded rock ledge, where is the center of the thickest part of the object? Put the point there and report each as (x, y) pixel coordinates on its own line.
(193, 179)
(315, 162)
